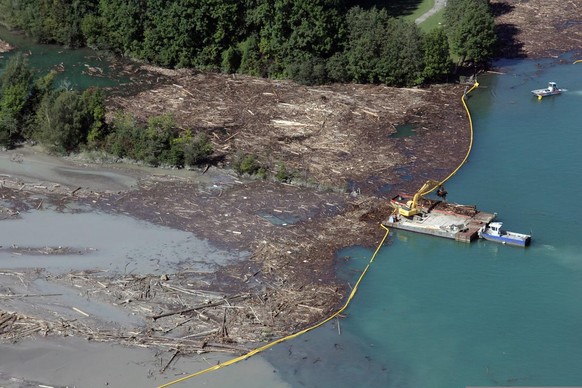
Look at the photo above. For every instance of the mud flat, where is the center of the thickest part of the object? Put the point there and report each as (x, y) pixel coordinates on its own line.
(80, 363)
(76, 264)
(31, 165)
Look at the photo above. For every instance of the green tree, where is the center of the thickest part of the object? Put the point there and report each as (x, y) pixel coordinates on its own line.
(309, 71)
(170, 33)
(310, 41)
(94, 30)
(10, 13)
(471, 30)
(251, 59)
(366, 30)
(336, 68)
(292, 31)
(283, 174)
(93, 101)
(197, 150)
(246, 164)
(67, 119)
(50, 21)
(15, 92)
(231, 60)
(155, 143)
(186, 33)
(122, 25)
(401, 57)
(120, 139)
(60, 122)
(41, 87)
(382, 49)
(159, 142)
(437, 61)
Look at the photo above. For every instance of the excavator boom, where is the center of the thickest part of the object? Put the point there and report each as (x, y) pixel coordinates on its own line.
(411, 207)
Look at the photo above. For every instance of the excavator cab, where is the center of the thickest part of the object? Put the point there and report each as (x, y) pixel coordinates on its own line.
(411, 208)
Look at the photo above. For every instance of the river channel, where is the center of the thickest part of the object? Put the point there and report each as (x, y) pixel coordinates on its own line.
(79, 69)
(431, 312)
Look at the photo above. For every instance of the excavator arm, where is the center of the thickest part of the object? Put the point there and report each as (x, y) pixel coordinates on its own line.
(411, 207)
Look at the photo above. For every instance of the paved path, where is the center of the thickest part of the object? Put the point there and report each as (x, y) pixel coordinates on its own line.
(438, 5)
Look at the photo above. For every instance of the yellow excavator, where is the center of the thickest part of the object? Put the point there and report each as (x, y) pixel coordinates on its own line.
(411, 209)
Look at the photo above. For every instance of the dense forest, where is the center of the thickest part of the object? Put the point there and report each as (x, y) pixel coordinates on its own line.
(309, 41)
(313, 42)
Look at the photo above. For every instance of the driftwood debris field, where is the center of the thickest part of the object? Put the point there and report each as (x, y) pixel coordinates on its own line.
(342, 144)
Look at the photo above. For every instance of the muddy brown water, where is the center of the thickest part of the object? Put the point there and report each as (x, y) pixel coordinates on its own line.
(74, 362)
(114, 243)
(94, 241)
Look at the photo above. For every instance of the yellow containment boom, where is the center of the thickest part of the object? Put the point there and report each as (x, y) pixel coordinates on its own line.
(411, 208)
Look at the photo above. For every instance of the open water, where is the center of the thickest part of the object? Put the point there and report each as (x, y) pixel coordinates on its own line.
(77, 69)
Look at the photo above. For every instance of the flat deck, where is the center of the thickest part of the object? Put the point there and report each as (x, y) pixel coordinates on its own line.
(447, 224)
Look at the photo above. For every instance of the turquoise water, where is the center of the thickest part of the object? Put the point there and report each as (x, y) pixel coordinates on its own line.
(75, 63)
(438, 313)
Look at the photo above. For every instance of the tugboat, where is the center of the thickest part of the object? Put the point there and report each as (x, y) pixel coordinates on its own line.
(494, 232)
(551, 90)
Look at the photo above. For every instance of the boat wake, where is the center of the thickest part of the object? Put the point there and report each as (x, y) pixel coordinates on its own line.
(549, 247)
(569, 257)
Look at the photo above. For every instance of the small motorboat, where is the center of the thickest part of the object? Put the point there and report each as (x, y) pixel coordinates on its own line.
(495, 232)
(551, 90)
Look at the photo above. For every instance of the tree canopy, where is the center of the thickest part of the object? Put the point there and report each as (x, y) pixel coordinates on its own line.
(471, 30)
(16, 95)
(310, 41)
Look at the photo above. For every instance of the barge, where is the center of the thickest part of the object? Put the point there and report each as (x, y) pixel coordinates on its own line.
(465, 223)
(438, 218)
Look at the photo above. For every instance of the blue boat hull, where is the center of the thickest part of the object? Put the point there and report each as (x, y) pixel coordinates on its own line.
(521, 242)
